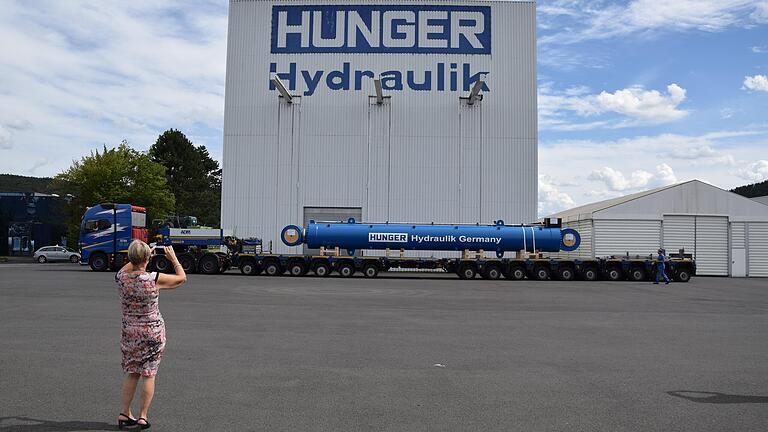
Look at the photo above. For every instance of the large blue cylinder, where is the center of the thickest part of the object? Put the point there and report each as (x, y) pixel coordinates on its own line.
(499, 238)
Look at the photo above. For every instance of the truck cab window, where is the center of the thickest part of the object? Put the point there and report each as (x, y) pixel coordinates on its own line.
(103, 224)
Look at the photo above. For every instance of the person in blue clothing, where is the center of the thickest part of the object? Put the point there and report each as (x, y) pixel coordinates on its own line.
(660, 264)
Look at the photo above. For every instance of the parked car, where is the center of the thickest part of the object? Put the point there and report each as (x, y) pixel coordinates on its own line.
(56, 253)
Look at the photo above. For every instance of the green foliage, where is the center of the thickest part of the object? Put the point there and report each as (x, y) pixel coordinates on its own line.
(17, 183)
(118, 175)
(753, 190)
(193, 176)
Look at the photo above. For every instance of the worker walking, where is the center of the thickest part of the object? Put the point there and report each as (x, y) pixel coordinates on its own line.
(660, 264)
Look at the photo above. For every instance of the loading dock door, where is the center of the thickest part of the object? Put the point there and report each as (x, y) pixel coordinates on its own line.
(758, 249)
(705, 237)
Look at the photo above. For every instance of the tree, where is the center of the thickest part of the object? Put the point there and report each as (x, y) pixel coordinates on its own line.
(193, 176)
(118, 175)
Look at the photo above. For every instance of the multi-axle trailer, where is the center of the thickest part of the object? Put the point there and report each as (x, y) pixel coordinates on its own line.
(107, 229)
(473, 241)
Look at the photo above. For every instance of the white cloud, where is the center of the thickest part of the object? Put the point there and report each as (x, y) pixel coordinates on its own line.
(756, 83)
(616, 181)
(648, 105)
(722, 158)
(635, 104)
(551, 199)
(594, 19)
(5, 138)
(760, 15)
(755, 172)
(87, 73)
(760, 49)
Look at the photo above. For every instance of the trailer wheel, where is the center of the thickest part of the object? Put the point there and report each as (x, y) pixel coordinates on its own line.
(296, 268)
(683, 276)
(541, 273)
(467, 271)
(589, 274)
(187, 263)
(516, 273)
(370, 270)
(161, 263)
(273, 268)
(208, 264)
(345, 269)
(613, 274)
(637, 274)
(249, 268)
(321, 269)
(491, 272)
(565, 273)
(98, 262)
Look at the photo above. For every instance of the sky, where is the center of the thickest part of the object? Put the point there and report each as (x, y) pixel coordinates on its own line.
(632, 94)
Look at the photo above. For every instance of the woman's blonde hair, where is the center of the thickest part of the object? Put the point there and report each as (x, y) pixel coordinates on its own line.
(138, 252)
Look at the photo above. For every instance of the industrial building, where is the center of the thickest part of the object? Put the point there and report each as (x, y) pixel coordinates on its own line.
(726, 233)
(381, 111)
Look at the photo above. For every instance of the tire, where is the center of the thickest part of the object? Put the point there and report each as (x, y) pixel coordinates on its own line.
(208, 264)
(187, 263)
(541, 273)
(613, 274)
(637, 275)
(297, 268)
(249, 268)
(467, 271)
(683, 275)
(74, 259)
(272, 268)
(162, 264)
(370, 270)
(589, 274)
(99, 262)
(516, 273)
(42, 259)
(566, 273)
(321, 269)
(491, 272)
(345, 269)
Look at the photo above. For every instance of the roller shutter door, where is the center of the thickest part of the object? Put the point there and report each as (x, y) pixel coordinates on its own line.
(617, 237)
(680, 233)
(711, 246)
(757, 241)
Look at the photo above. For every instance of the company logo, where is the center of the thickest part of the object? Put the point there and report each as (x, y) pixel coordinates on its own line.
(185, 232)
(387, 237)
(420, 29)
(569, 239)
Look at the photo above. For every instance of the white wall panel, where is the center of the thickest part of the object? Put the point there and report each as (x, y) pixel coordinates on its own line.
(618, 237)
(680, 233)
(422, 156)
(757, 255)
(712, 246)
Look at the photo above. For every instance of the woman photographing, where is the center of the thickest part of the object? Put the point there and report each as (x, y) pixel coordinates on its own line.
(143, 330)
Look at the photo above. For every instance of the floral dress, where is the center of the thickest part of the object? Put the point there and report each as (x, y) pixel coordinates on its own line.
(143, 335)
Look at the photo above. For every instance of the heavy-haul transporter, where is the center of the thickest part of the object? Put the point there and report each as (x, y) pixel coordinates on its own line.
(107, 229)
(338, 241)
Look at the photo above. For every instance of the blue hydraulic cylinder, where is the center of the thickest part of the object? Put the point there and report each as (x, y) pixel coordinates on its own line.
(498, 237)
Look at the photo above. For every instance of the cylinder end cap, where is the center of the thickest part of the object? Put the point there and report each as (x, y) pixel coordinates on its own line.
(569, 240)
(291, 235)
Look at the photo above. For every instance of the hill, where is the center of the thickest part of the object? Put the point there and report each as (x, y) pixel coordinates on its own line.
(17, 183)
(752, 190)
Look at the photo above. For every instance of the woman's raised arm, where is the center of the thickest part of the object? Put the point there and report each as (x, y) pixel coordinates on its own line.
(170, 281)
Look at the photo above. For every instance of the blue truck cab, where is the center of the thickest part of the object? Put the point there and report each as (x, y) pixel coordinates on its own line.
(106, 230)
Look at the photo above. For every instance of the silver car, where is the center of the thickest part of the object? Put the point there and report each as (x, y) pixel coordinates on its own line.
(56, 253)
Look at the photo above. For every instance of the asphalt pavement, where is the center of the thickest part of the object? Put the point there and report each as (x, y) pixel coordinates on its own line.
(409, 352)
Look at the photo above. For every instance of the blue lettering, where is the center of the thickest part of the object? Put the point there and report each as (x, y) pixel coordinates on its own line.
(397, 28)
(392, 80)
(311, 81)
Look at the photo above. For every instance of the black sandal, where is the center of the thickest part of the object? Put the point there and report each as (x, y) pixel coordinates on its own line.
(146, 424)
(123, 424)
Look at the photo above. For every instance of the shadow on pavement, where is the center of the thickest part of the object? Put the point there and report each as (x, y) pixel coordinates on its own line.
(717, 398)
(28, 424)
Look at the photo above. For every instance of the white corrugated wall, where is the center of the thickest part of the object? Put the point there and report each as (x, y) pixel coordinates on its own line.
(618, 237)
(712, 246)
(738, 249)
(757, 255)
(421, 157)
